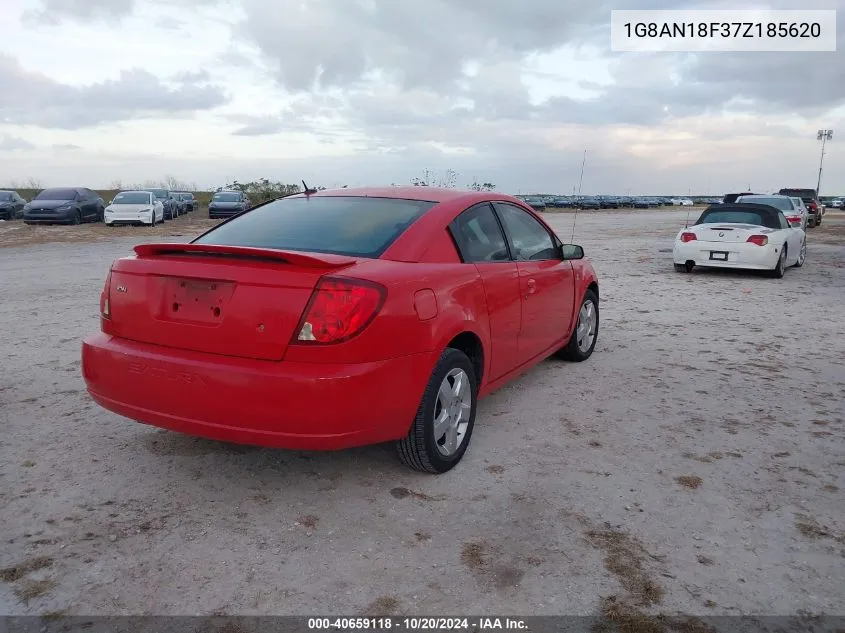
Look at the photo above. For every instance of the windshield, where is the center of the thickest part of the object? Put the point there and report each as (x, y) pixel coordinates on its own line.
(784, 204)
(133, 197)
(735, 217)
(56, 194)
(159, 193)
(5, 196)
(226, 197)
(342, 225)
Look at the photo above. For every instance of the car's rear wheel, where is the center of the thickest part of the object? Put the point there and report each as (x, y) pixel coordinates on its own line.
(440, 433)
(583, 340)
(780, 267)
(683, 268)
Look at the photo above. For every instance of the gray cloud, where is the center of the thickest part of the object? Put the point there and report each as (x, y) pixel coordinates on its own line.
(423, 49)
(53, 12)
(9, 143)
(29, 98)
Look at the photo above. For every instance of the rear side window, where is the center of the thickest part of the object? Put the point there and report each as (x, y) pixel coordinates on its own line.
(479, 236)
(357, 226)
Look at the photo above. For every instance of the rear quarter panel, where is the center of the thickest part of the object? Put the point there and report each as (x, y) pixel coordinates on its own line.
(398, 330)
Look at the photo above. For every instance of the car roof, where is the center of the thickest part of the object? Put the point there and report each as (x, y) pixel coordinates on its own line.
(767, 195)
(134, 191)
(405, 192)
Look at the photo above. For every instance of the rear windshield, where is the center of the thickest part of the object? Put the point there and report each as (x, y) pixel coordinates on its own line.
(132, 198)
(342, 225)
(738, 217)
(804, 194)
(784, 204)
(56, 194)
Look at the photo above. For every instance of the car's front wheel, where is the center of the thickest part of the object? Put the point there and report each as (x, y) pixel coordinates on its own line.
(440, 433)
(583, 340)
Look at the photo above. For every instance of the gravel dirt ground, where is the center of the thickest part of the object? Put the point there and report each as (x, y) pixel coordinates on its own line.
(693, 465)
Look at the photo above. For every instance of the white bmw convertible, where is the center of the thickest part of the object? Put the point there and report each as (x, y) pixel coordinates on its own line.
(751, 236)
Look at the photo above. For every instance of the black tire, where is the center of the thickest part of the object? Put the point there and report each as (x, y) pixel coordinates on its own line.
(682, 268)
(571, 351)
(418, 450)
(77, 218)
(780, 267)
(799, 262)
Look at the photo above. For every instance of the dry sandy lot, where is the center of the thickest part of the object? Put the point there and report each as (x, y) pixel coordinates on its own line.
(694, 464)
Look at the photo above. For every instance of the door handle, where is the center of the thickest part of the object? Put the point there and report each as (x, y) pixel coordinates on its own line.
(532, 286)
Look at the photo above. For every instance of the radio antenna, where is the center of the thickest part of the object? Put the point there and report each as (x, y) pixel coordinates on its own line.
(578, 201)
(686, 224)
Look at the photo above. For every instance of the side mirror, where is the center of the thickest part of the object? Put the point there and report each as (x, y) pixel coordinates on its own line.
(572, 251)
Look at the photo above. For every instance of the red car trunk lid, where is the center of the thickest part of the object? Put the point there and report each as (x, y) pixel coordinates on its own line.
(235, 301)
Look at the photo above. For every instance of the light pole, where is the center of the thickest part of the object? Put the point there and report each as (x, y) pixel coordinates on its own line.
(823, 136)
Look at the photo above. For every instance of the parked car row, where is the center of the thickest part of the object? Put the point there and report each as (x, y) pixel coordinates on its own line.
(541, 203)
(78, 205)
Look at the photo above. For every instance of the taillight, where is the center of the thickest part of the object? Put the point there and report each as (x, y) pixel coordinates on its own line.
(793, 220)
(812, 206)
(105, 308)
(688, 237)
(339, 309)
(759, 240)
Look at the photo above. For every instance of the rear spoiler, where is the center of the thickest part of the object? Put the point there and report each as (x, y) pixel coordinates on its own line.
(305, 260)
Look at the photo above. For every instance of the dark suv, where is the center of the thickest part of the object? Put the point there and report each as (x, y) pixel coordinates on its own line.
(811, 200)
(226, 203)
(64, 205)
(171, 207)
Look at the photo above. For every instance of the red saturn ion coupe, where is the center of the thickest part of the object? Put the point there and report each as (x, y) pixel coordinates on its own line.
(341, 318)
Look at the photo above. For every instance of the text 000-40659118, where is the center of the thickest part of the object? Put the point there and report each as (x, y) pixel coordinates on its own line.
(725, 30)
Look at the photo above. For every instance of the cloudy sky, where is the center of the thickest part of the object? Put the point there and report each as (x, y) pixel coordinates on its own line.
(94, 92)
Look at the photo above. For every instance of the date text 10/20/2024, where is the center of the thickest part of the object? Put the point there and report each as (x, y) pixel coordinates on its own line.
(417, 624)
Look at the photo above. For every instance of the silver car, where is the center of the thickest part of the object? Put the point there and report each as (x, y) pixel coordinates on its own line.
(805, 212)
(794, 215)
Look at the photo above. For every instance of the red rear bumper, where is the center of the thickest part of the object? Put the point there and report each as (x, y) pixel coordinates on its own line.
(306, 406)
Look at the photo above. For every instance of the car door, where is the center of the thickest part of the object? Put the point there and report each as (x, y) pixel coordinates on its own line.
(547, 281)
(481, 243)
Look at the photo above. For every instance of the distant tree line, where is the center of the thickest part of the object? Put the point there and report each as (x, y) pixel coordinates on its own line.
(265, 189)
